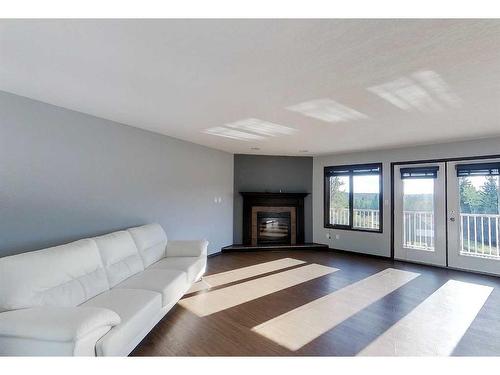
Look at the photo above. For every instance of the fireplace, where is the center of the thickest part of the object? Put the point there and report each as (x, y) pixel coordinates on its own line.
(271, 219)
(273, 228)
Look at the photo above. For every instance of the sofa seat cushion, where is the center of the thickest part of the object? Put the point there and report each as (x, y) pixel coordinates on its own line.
(171, 284)
(119, 255)
(193, 266)
(136, 308)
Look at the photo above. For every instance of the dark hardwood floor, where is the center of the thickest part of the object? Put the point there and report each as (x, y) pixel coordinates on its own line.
(229, 332)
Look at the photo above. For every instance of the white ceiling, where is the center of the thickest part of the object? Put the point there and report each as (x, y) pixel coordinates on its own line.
(362, 84)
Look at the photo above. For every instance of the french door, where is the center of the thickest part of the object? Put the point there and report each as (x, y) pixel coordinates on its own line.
(420, 213)
(473, 215)
(448, 214)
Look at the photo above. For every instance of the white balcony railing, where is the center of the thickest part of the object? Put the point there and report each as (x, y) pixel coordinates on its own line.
(480, 235)
(363, 218)
(418, 230)
(480, 232)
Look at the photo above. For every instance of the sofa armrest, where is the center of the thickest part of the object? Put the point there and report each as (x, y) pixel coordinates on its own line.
(54, 324)
(187, 248)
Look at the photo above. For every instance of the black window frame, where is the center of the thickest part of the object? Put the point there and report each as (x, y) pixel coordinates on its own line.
(350, 172)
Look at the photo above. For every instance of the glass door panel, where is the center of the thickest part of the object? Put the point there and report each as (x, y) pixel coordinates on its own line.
(474, 215)
(419, 213)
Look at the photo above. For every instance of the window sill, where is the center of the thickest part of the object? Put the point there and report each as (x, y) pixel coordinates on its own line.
(364, 230)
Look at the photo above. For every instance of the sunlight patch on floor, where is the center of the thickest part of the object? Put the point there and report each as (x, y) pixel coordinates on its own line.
(300, 326)
(199, 286)
(434, 327)
(225, 298)
(238, 274)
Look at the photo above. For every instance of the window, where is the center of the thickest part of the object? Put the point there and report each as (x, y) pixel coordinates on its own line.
(353, 197)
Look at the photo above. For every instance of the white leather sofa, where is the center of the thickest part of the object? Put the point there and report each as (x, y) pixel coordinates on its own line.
(97, 296)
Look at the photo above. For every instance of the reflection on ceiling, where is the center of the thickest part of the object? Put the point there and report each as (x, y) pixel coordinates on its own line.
(298, 327)
(436, 326)
(250, 129)
(221, 131)
(423, 91)
(264, 128)
(327, 110)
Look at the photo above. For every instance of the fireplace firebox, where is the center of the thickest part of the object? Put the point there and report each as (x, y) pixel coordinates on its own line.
(273, 228)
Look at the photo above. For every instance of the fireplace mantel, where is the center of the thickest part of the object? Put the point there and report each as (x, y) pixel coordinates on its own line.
(253, 200)
(273, 195)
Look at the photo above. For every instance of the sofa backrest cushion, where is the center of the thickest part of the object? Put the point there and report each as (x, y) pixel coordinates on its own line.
(120, 256)
(151, 241)
(65, 275)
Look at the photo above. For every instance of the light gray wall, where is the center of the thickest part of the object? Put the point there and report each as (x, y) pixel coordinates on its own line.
(260, 173)
(65, 175)
(380, 243)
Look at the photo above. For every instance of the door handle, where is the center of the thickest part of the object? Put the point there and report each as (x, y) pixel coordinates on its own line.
(452, 216)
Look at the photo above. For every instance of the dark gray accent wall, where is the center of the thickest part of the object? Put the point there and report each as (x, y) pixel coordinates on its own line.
(65, 175)
(259, 173)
